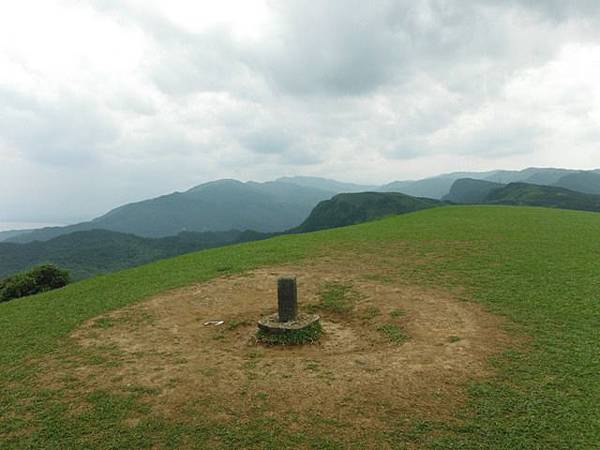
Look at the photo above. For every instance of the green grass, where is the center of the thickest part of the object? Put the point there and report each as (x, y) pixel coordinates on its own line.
(538, 267)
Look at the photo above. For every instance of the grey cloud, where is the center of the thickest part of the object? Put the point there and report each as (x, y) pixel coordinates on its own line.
(185, 62)
(556, 10)
(514, 140)
(340, 48)
(356, 47)
(65, 131)
(343, 47)
(267, 141)
(358, 88)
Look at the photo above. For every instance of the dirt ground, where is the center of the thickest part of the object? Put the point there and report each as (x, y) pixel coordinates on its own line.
(354, 375)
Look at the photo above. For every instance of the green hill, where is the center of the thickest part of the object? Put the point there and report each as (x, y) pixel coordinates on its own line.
(87, 253)
(349, 209)
(587, 182)
(67, 381)
(216, 206)
(468, 190)
(546, 196)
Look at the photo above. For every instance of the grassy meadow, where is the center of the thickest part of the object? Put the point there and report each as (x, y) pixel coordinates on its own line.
(539, 268)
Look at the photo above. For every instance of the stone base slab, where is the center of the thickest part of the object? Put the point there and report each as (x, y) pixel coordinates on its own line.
(271, 324)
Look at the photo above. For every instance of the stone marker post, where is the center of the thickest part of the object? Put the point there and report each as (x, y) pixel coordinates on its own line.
(287, 326)
(287, 299)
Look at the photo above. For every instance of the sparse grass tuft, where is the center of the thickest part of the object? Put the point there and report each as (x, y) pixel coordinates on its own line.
(370, 312)
(395, 313)
(338, 297)
(392, 332)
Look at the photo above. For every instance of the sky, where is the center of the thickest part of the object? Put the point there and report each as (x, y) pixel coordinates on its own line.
(104, 102)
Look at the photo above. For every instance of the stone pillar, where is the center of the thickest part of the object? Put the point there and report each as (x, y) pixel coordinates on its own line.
(287, 299)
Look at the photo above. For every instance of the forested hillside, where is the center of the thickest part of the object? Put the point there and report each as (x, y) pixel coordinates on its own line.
(87, 253)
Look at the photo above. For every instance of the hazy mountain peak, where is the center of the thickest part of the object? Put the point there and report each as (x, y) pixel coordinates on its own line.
(216, 183)
(325, 184)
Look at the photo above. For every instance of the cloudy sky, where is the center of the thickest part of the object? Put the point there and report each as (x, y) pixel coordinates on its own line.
(108, 101)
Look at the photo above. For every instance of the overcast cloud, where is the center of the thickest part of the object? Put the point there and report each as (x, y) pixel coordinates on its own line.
(108, 101)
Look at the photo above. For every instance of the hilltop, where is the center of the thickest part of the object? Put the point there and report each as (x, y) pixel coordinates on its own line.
(484, 315)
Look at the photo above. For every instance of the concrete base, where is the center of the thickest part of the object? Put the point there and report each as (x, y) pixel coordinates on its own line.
(271, 324)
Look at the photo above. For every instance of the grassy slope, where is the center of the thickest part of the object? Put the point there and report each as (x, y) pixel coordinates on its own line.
(536, 266)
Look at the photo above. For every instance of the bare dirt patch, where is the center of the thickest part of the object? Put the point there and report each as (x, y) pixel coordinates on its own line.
(356, 375)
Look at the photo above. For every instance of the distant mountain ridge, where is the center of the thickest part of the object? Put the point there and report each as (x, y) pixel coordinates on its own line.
(92, 252)
(439, 186)
(87, 253)
(216, 206)
(326, 184)
(285, 203)
(433, 187)
(586, 181)
(526, 194)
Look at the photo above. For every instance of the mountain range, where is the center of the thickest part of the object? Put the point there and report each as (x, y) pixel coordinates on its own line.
(278, 205)
(216, 206)
(439, 186)
(157, 228)
(87, 253)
